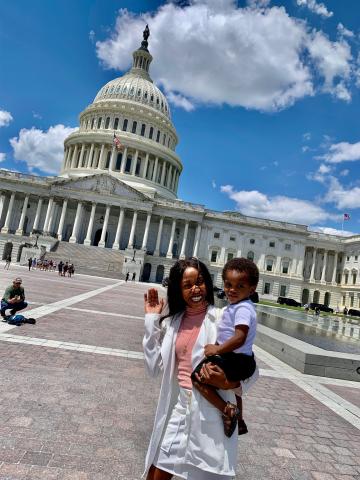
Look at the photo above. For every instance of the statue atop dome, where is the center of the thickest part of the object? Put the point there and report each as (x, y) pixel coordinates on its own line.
(146, 35)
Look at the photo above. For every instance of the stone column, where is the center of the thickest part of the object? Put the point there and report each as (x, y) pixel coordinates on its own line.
(116, 244)
(177, 181)
(169, 177)
(134, 162)
(333, 279)
(87, 240)
(48, 213)
(163, 173)
(19, 230)
(37, 215)
(2, 202)
(101, 157)
(158, 238)
(62, 219)
(51, 218)
(312, 277)
(323, 273)
(155, 171)
(132, 231)
(146, 233)
(73, 160)
(104, 229)
(73, 238)
(183, 246)
(123, 161)
(6, 226)
(171, 242)
(112, 159)
(81, 154)
(197, 240)
(174, 180)
(146, 163)
(90, 156)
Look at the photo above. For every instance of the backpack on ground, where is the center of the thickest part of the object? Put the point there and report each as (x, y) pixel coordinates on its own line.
(18, 319)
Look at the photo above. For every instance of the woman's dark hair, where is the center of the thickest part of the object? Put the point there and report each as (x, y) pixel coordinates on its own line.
(176, 303)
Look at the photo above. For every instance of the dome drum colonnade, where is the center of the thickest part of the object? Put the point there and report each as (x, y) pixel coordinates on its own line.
(53, 214)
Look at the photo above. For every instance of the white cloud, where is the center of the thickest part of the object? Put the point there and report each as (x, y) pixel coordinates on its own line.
(315, 7)
(324, 169)
(92, 36)
(213, 183)
(344, 32)
(342, 197)
(279, 207)
(37, 115)
(180, 101)
(333, 61)
(39, 149)
(5, 118)
(306, 136)
(344, 173)
(342, 152)
(2, 157)
(333, 231)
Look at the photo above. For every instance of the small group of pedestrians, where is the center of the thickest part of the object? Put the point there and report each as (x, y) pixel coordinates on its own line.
(66, 269)
(133, 277)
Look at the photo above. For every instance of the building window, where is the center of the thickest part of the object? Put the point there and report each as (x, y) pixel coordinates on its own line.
(134, 126)
(116, 123)
(118, 161)
(343, 299)
(346, 277)
(272, 244)
(287, 246)
(214, 254)
(356, 258)
(143, 126)
(250, 256)
(107, 122)
(216, 235)
(230, 256)
(232, 239)
(354, 278)
(266, 288)
(128, 164)
(351, 300)
(285, 267)
(99, 122)
(339, 278)
(164, 139)
(269, 265)
(92, 123)
(252, 241)
(138, 165)
(151, 133)
(107, 163)
(347, 258)
(282, 290)
(158, 136)
(125, 124)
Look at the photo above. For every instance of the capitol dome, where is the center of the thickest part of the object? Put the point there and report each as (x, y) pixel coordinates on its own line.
(128, 131)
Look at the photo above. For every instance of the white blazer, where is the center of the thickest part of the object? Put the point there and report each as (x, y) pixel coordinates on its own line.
(208, 447)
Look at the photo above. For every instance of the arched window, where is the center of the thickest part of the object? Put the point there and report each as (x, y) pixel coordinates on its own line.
(125, 124)
(146, 95)
(250, 256)
(128, 164)
(151, 133)
(269, 264)
(164, 139)
(116, 123)
(152, 98)
(99, 122)
(138, 165)
(107, 122)
(134, 126)
(143, 126)
(92, 123)
(158, 136)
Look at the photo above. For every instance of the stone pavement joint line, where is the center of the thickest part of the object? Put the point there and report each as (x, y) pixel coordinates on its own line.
(334, 402)
(122, 315)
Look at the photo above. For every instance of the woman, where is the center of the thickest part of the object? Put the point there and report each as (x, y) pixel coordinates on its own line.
(188, 438)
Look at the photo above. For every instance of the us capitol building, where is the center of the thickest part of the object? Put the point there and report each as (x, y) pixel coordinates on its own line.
(115, 210)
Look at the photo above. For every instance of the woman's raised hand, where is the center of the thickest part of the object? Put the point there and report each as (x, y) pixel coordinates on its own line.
(152, 302)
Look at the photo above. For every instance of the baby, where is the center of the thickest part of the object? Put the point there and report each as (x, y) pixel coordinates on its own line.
(233, 351)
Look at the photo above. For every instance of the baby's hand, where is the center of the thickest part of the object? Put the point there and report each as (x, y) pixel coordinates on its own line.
(210, 350)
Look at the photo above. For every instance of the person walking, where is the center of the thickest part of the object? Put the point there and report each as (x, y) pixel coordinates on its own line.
(188, 438)
(7, 262)
(127, 276)
(60, 267)
(14, 298)
(133, 276)
(30, 263)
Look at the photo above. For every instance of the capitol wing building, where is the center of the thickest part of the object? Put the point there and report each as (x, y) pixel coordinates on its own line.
(114, 210)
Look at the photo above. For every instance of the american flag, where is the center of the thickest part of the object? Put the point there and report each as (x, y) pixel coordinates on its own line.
(346, 216)
(117, 143)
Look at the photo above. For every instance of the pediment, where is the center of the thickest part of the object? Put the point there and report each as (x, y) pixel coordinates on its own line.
(102, 184)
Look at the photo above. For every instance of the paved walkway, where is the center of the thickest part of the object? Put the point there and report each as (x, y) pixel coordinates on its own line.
(76, 404)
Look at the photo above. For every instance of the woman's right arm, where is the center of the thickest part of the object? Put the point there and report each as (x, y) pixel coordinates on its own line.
(151, 340)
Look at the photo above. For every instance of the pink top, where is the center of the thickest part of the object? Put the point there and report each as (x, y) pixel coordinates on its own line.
(185, 341)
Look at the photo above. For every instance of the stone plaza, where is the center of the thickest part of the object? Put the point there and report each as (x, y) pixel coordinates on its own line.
(76, 403)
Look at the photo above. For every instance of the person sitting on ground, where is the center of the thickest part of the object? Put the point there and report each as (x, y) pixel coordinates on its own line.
(233, 351)
(14, 298)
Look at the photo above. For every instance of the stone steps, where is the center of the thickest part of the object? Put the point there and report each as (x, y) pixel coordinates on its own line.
(89, 260)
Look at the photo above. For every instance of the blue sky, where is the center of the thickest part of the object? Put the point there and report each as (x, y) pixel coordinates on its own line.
(264, 94)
